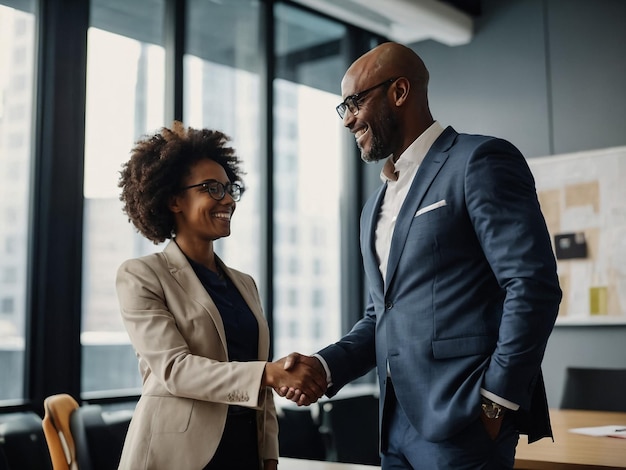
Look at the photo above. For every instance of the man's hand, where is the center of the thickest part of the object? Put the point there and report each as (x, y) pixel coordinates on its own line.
(302, 377)
(294, 361)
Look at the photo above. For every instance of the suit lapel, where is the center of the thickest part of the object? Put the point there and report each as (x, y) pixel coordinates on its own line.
(370, 260)
(426, 173)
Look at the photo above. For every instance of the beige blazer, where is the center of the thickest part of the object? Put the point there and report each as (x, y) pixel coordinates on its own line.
(188, 383)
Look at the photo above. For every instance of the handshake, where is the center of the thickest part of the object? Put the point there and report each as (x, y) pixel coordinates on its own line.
(299, 378)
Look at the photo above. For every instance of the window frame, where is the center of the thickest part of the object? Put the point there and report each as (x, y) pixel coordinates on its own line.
(54, 272)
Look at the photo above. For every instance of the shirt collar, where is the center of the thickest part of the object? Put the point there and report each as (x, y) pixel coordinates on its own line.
(413, 155)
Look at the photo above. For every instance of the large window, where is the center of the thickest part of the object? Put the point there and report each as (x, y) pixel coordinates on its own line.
(307, 181)
(117, 66)
(17, 49)
(221, 91)
(125, 100)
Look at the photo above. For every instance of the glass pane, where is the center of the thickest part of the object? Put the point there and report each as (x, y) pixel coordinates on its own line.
(17, 50)
(308, 142)
(221, 70)
(125, 100)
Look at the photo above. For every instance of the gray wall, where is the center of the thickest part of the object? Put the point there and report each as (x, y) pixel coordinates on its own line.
(550, 76)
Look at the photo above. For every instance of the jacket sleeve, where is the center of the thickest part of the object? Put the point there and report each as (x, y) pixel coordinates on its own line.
(503, 206)
(353, 355)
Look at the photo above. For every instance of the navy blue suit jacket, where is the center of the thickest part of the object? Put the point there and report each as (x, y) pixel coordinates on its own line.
(471, 296)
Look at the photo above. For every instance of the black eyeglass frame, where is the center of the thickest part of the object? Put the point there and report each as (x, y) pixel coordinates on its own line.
(233, 189)
(352, 102)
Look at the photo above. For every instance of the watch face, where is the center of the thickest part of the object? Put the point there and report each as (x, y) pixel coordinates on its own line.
(492, 410)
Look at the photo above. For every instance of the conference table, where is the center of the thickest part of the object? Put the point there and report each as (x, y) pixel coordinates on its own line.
(573, 451)
(569, 451)
(301, 464)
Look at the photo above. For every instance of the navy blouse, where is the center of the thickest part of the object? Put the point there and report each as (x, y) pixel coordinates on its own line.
(240, 324)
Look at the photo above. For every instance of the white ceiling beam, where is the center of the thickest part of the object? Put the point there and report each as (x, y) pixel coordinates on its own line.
(405, 21)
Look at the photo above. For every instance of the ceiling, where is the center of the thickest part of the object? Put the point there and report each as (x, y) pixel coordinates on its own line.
(450, 22)
(228, 31)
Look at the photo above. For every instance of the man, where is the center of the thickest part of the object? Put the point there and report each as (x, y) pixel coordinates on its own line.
(463, 289)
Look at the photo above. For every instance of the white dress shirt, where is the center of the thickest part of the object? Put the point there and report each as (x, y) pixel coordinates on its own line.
(399, 176)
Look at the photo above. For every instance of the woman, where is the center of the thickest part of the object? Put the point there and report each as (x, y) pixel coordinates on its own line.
(196, 325)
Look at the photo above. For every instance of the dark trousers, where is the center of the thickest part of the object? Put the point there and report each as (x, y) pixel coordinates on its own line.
(403, 448)
(238, 448)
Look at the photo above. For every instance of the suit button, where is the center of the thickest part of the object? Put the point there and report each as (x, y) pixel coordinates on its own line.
(389, 305)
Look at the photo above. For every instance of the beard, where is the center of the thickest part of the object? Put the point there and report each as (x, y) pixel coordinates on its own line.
(381, 130)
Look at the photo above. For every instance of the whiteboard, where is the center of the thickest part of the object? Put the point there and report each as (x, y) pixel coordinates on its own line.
(585, 193)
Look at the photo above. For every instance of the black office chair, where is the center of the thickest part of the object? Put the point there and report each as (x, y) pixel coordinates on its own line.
(23, 442)
(83, 452)
(594, 389)
(299, 435)
(352, 427)
(4, 465)
(103, 432)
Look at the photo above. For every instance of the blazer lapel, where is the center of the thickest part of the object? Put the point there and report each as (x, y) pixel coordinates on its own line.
(426, 173)
(250, 294)
(184, 274)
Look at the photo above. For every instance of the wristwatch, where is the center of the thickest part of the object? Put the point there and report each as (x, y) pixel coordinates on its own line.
(492, 410)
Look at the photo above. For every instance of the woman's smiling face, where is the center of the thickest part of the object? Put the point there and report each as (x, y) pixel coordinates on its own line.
(197, 213)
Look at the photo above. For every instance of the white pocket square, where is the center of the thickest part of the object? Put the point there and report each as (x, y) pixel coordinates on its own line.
(431, 207)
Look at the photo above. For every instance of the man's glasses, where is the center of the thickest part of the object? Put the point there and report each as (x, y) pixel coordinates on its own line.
(352, 101)
(218, 190)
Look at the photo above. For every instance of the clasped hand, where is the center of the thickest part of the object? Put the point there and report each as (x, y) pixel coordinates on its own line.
(299, 378)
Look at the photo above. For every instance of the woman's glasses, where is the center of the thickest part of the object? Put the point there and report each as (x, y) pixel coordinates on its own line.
(218, 190)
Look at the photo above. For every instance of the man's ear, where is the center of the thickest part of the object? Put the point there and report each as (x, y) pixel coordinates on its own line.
(401, 90)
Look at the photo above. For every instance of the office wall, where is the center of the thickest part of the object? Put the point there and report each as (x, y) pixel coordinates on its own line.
(548, 75)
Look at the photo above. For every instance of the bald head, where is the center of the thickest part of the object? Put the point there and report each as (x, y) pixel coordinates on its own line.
(386, 61)
(397, 114)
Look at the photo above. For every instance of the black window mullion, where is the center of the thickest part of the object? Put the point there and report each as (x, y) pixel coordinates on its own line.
(174, 39)
(55, 255)
(266, 49)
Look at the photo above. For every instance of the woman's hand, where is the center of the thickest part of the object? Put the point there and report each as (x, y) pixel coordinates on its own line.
(270, 464)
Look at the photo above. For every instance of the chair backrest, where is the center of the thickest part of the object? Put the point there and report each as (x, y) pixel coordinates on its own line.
(79, 434)
(594, 389)
(299, 435)
(56, 427)
(101, 431)
(4, 465)
(23, 442)
(352, 423)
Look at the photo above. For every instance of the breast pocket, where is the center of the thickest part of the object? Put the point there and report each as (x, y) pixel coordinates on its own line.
(430, 219)
(431, 207)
